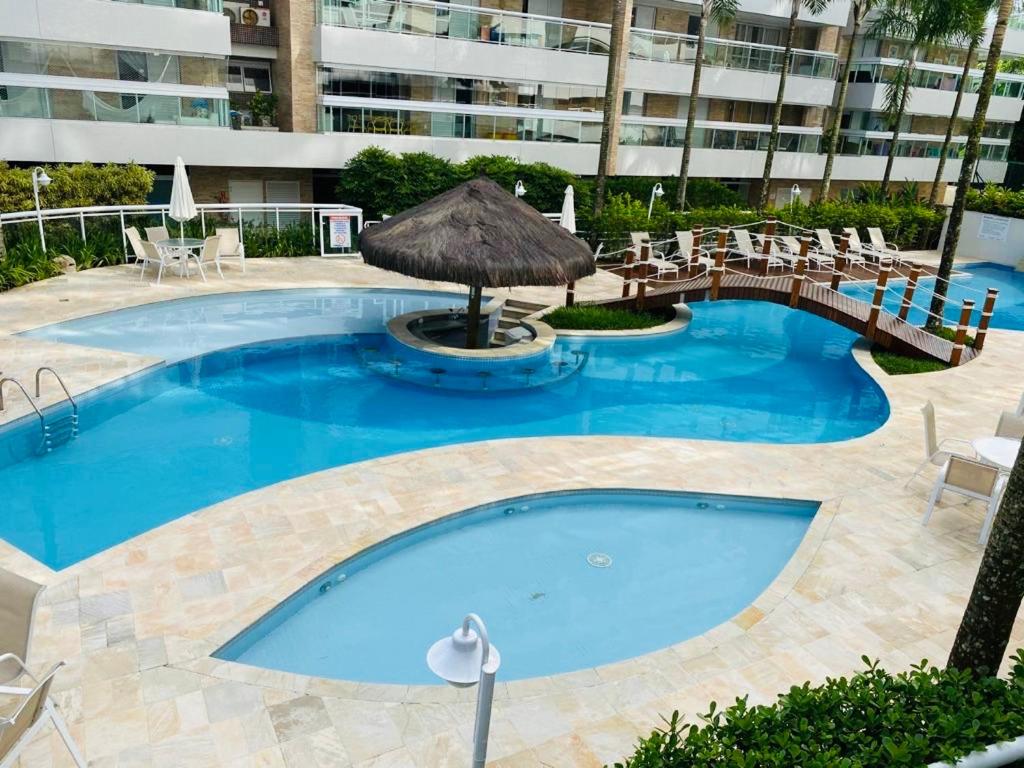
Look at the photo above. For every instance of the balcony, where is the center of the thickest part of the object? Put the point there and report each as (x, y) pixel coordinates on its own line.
(506, 28)
(247, 34)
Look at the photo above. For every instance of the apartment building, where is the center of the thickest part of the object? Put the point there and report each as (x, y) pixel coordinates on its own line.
(113, 80)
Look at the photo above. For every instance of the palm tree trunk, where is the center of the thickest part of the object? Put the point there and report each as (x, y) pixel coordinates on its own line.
(844, 84)
(618, 57)
(964, 77)
(999, 587)
(773, 137)
(691, 112)
(900, 111)
(956, 215)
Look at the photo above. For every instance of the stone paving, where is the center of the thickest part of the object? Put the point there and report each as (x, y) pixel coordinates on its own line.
(136, 623)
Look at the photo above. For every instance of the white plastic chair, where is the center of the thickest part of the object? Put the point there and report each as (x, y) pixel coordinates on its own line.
(231, 246)
(704, 260)
(657, 258)
(814, 254)
(879, 244)
(973, 480)
(33, 711)
(934, 451)
(785, 257)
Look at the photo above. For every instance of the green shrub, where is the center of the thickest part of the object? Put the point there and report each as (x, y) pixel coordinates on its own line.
(873, 719)
(997, 200)
(909, 226)
(588, 317)
(700, 193)
(24, 263)
(75, 186)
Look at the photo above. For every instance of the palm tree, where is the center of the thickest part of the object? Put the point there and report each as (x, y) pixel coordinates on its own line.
(815, 7)
(618, 56)
(719, 11)
(975, 33)
(956, 214)
(919, 23)
(860, 10)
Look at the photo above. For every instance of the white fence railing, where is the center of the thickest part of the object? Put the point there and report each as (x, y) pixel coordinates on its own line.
(241, 214)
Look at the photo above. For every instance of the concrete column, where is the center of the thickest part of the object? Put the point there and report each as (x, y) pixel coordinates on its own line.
(295, 81)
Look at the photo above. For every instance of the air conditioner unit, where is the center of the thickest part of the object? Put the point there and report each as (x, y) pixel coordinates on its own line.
(243, 13)
(233, 10)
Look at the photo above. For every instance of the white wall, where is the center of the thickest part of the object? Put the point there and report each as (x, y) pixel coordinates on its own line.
(1009, 251)
(341, 46)
(928, 101)
(109, 24)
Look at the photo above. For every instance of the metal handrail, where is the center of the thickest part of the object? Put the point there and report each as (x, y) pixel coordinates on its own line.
(42, 419)
(67, 393)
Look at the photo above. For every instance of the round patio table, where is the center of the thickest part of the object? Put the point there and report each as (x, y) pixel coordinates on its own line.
(182, 246)
(998, 451)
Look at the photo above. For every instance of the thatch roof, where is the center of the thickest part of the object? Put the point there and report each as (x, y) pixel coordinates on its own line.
(477, 234)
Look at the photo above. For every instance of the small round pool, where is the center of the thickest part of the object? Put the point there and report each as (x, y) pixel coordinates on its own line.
(565, 581)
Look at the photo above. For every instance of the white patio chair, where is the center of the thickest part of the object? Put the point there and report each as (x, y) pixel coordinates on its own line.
(231, 246)
(816, 255)
(828, 245)
(866, 252)
(209, 255)
(162, 257)
(156, 234)
(879, 244)
(1020, 406)
(704, 259)
(784, 256)
(33, 710)
(745, 248)
(18, 600)
(656, 258)
(1010, 425)
(935, 451)
(135, 241)
(973, 480)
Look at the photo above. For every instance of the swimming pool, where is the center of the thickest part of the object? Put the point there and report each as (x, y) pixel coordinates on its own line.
(977, 279)
(205, 429)
(565, 581)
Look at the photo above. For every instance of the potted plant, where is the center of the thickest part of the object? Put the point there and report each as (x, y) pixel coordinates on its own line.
(264, 109)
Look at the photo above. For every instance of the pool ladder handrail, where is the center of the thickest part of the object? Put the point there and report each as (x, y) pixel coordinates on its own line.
(45, 428)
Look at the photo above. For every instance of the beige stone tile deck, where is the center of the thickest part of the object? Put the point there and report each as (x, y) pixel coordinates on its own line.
(137, 622)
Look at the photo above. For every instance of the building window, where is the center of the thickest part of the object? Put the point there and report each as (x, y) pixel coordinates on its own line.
(249, 76)
(748, 33)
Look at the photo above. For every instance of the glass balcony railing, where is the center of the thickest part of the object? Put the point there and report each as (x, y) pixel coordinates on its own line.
(160, 109)
(217, 6)
(874, 71)
(458, 22)
(877, 146)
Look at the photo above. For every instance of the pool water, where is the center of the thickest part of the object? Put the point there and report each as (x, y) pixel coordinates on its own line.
(209, 428)
(563, 582)
(978, 278)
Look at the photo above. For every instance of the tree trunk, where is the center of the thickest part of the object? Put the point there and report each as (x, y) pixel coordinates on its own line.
(956, 214)
(933, 198)
(691, 112)
(844, 83)
(901, 110)
(773, 137)
(999, 587)
(618, 57)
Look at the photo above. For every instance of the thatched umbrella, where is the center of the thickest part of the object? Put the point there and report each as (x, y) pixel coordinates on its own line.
(479, 235)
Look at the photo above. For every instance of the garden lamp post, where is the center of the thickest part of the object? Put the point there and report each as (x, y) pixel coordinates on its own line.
(656, 192)
(463, 660)
(40, 179)
(520, 188)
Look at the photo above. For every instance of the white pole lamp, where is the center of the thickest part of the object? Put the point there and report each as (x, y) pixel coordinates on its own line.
(520, 188)
(40, 179)
(794, 194)
(656, 192)
(463, 660)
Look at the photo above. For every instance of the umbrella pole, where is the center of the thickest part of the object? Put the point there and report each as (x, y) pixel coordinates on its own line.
(473, 317)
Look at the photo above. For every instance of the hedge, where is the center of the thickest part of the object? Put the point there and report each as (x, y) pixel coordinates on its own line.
(75, 186)
(997, 200)
(873, 719)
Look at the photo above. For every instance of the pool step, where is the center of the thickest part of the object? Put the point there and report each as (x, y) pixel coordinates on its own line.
(58, 431)
(512, 315)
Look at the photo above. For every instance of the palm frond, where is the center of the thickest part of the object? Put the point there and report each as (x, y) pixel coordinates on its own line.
(724, 10)
(816, 7)
(894, 94)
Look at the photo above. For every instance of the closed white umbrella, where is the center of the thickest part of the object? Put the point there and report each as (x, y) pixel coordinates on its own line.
(568, 219)
(183, 207)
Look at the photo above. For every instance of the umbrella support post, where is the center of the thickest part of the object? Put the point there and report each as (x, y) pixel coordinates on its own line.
(473, 317)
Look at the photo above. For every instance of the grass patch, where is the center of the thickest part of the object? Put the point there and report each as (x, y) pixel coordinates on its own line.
(898, 365)
(587, 317)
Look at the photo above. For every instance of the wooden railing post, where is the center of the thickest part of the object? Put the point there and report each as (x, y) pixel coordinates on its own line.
(961, 333)
(719, 268)
(986, 318)
(570, 294)
(766, 247)
(691, 268)
(627, 278)
(840, 267)
(641, 285)
(798, 273)
(876, 302)
(908, 292)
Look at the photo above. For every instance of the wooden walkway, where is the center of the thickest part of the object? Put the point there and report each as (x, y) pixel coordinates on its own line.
(890, 333)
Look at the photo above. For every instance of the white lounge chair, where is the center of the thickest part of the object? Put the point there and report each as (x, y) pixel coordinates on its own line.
(1010, 425)
(816, 255)
(656, 258)
(971, 479)
(32, 711)
(704, 259)
(162, 257)
(879, 244)
(856, 246)
(828, 246)
(745, 248)
(18, 600)
(231, 246)
(935, 451)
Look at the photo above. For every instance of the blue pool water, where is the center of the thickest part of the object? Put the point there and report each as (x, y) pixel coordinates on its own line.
(680, 565)
(978, 278)
(211, 427)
